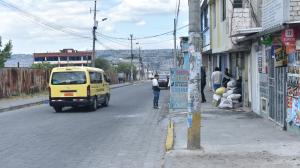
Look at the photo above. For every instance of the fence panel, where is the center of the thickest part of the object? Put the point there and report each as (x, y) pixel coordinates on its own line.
(17, 81)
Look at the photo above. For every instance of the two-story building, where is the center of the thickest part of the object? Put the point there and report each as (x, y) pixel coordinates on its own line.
(222, 21)
(66, 57)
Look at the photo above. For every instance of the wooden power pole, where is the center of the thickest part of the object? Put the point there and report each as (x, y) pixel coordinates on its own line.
(195, 42)
(94, 34)
(131, 62)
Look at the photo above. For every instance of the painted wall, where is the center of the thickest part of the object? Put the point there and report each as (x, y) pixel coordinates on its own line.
(274, 13)
(220, 31)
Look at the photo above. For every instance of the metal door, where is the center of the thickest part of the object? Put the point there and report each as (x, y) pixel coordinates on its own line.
(277, 92)
(272, 84)
(280, 99)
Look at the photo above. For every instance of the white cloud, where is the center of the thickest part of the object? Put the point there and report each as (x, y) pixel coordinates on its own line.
(141, 23)
(75, 16)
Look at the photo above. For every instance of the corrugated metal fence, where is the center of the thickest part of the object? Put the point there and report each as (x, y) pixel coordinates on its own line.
(17, 81)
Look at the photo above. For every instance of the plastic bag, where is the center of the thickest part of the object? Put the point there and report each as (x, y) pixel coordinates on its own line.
(234, 96)
(229, 92)
(231, 84)
(216, 100)
(220, 91)
(216, 97)
(225, 103)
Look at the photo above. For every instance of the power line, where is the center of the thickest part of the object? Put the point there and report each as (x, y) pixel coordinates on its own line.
(147, 37)
(42, 22)
(122, 43)
(162, 34)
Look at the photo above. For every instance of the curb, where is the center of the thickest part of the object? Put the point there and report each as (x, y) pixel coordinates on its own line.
(170, 136)
(22, 106)
(44, 101)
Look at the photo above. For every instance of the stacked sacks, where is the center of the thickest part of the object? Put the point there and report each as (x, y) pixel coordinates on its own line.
(217, 96)
(231, 98)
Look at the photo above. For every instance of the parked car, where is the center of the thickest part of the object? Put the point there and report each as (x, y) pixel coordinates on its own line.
(78, 86)
(163, 81)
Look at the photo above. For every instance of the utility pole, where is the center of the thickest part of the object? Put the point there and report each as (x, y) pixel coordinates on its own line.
(141, 64)
(195, 42)
(131, 65)
(94, 34)
(175, 50)
(175, 34)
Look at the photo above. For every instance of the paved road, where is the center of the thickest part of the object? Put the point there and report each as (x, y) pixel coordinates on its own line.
(127, 134)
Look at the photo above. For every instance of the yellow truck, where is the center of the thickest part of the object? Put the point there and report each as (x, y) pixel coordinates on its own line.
(78, 86)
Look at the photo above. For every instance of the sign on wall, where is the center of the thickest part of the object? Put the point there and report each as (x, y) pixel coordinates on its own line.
(289, 38)
(179, 88)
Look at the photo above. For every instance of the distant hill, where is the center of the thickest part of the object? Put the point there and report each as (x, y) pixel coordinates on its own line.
(167, 53)
(25, 60)
(153, 57)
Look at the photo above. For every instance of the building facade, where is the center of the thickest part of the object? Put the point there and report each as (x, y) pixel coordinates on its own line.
(274, 66)
(222, 21)
(66, 57)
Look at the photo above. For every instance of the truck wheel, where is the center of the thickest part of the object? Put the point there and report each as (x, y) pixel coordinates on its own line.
(106, 101)
(58, 109)
(94, 105)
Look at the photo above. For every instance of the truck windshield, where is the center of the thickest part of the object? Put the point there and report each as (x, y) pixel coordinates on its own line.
(68, 78)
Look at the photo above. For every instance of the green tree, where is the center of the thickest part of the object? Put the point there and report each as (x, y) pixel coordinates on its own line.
(125, 68)
(102, 64)
(5, 54)
(44, 65)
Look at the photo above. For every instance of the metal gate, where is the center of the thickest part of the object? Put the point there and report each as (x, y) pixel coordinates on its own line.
(280, 103)
(277, 93)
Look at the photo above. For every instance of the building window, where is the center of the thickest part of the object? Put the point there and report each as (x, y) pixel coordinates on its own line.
(76, 58)
(223, 10)
(63, 58)
(52, 58)
(204, 18)
(39, 59)
(89, 57)
(214, 15)
(237, 3)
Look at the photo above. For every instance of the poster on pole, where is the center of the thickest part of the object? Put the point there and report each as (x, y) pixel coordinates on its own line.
(178, 88)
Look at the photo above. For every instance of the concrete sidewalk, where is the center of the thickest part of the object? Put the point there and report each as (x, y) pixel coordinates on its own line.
(9, 104)
(233, 139)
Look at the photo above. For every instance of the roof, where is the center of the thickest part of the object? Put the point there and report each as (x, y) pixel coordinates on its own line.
(76, 68)
(59, 54)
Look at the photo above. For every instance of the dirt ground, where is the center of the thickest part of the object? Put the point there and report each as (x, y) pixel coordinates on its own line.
(200, 159)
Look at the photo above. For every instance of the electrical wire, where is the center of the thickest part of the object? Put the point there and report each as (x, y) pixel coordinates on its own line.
(122, 43)
(42, 22)
(146, 37)
(55, 27)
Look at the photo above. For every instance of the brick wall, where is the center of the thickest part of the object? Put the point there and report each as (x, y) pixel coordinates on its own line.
(241, 19)
(294, 10)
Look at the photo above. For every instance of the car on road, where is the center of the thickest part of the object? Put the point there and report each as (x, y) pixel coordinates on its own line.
(78, 86)
(163, 81)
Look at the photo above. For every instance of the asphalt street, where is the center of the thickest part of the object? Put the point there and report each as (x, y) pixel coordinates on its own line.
(127, 134)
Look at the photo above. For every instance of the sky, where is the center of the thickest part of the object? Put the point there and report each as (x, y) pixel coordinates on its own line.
(51, 25)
